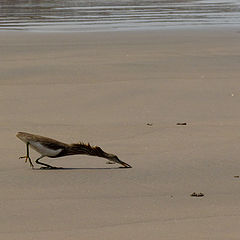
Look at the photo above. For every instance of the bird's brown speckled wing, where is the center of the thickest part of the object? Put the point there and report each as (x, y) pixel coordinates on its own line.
(55, 145)
(44, 141)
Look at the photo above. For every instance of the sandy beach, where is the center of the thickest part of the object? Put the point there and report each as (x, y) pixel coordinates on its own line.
(126, 92)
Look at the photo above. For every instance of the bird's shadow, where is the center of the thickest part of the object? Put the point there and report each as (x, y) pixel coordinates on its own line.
(71, 168)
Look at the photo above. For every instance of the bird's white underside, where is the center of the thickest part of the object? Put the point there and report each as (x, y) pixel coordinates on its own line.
(44, 151)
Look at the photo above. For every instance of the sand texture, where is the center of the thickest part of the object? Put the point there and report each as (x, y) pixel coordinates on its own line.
(126, 92)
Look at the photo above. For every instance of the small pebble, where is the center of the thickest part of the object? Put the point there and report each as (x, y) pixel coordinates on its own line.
(197, 194)
(183, 123)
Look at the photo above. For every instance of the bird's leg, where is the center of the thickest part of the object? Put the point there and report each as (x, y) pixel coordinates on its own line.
(27, 157)
(46, 166)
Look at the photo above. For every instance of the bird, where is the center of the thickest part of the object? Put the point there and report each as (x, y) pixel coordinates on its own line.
(52, 148)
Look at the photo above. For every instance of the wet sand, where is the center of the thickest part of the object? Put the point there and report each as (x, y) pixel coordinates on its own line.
(125, 92)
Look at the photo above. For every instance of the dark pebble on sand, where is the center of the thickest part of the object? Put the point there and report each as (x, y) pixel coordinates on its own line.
(181, 124)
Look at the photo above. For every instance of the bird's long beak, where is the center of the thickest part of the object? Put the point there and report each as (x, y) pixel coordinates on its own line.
(126, 165)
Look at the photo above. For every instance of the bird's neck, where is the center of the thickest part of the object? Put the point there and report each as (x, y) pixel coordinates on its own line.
(86, 149)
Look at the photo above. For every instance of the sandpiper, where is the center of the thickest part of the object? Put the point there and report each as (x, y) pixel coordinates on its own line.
(52, 148)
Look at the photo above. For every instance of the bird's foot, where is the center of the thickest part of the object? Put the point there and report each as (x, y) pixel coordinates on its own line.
(27, 158)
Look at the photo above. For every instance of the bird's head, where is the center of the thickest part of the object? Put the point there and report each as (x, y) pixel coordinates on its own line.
(114, 158)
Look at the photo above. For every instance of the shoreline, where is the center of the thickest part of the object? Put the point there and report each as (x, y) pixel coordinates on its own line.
(218, 27)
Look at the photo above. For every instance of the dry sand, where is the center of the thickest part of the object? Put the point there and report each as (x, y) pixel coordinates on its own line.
(104, 88)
